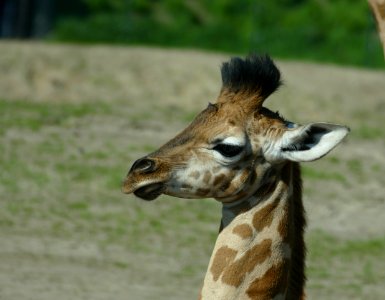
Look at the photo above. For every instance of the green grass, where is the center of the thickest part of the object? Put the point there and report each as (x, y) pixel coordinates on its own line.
(314, 174)
(326, 246)
(33, 116)
(351, 264)
(355, 167)
(366, 132)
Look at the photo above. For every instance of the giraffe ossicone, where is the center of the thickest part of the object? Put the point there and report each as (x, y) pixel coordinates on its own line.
(378, 9)
(247, 157)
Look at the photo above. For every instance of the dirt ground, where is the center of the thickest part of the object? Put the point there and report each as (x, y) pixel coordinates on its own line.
(73, 119)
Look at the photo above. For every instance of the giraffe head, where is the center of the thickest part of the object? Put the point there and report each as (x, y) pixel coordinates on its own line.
(234, 145)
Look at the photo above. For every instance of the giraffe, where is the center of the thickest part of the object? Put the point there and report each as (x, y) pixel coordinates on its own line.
(378, 9)
(246, 157)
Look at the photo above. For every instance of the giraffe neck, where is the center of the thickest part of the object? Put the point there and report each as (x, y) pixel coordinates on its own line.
(231, 210)
(260, 253)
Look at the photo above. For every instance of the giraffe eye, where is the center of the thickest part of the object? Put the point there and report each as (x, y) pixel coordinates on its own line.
(228, 150)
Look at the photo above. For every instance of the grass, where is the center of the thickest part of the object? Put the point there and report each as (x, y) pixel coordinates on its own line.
(350, 264)
(368, 132)
(315, 174)
(33, 116)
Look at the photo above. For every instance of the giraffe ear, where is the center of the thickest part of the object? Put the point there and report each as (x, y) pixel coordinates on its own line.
(307, 143)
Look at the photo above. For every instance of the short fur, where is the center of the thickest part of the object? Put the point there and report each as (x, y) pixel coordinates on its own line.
(254, 74)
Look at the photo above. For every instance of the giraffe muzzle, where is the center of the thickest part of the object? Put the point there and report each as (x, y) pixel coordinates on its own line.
(146, 179)
(143, 165)
(150, 192)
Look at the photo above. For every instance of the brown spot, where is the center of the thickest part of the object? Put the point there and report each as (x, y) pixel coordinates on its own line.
(252, 177)
(226, 184)
(195, 174)
(219, 179)
(272, 283)
(216, 169)
(244, 176)
(207, 177)
(266, 189)
(223, 257)
(241, 195)
(283, 226)
(186, 186)
(241, 207)
(244, 231)
(231, 122)
(264, 216)
(381, 10)
(202, 192)
(237, 168)
(234, 273)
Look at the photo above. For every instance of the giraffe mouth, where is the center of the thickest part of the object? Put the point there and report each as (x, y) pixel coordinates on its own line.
(150, 192)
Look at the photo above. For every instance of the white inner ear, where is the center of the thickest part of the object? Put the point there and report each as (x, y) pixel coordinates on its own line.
(309, 142)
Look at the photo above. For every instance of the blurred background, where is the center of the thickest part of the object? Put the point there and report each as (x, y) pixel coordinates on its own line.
(87, 87)
(342, 31)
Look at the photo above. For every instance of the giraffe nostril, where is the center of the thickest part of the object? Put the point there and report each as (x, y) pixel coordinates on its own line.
(143, 165)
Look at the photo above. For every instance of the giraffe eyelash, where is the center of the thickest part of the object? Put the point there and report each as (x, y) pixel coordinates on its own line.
(228, 150)
(279, 115)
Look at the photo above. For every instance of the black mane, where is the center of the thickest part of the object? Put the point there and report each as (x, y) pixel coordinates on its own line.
(254, 74)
